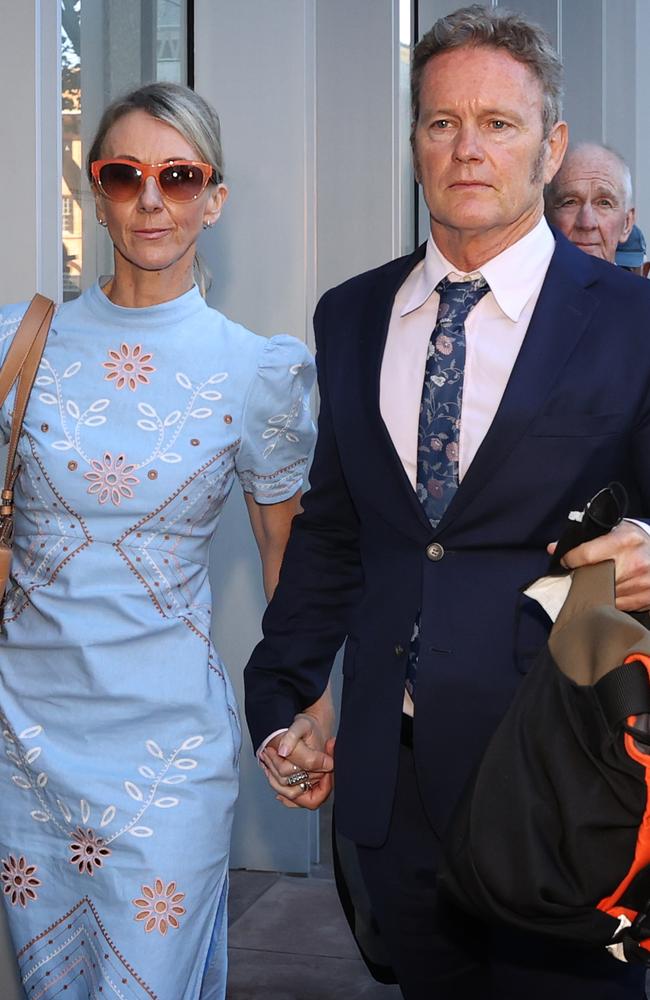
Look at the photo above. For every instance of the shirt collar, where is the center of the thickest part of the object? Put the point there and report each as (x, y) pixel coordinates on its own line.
(513, 275)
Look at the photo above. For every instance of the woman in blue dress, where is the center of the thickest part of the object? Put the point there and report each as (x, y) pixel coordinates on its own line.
(118, 774)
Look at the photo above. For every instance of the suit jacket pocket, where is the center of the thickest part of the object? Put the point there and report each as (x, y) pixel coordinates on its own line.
(578, 424)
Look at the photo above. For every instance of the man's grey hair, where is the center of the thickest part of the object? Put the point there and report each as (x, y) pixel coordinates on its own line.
(587, 147)
(496, 28)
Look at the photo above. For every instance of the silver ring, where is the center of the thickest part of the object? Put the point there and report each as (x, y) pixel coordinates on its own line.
(297, 778)
(306, 786)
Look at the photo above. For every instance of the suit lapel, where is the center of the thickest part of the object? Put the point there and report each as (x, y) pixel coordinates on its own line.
(558, 322)
(392, 487)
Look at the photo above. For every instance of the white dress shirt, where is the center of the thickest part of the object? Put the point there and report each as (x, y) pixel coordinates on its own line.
(494, 332)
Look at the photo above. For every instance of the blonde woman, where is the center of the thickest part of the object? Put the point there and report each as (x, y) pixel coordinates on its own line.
(120, 727)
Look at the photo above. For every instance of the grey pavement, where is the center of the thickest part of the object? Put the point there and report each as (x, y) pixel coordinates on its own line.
(289, 941)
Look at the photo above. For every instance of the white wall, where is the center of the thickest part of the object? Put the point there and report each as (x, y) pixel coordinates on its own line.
(306, 94)
(641, 96)
(258, 256)
(30, 185)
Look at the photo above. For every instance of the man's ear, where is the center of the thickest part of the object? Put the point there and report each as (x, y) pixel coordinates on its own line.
(414, 152)
(630, 216)
(556, 143)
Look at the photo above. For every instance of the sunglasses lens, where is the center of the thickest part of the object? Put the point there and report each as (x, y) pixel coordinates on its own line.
(120, 181)
(182, 181)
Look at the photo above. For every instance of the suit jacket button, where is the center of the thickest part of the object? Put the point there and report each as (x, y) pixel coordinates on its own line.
(399, 649)
(435, 551)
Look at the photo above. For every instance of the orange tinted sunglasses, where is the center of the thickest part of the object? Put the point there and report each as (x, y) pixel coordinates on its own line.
(177, 180)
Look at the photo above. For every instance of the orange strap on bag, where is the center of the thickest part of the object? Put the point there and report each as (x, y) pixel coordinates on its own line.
(21, 365)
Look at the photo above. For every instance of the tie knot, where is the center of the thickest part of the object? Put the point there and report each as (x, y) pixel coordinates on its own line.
(475, 287)
(458, 298)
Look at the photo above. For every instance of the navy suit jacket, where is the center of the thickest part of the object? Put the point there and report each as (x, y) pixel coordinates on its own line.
(574, 416)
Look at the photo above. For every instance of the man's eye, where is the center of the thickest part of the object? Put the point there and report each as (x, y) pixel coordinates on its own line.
(498, 124)
(566, 203)
(605, 203)
(441, 123)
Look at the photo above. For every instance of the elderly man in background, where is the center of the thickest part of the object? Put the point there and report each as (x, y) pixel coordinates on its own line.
(590, 200)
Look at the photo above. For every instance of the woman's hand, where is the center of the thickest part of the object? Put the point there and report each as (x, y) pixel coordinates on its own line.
(302, 750)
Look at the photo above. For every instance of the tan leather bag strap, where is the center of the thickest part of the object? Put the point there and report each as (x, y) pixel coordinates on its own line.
(21, 363)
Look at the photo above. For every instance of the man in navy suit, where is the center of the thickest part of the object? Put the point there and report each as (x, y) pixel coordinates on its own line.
(472, 394)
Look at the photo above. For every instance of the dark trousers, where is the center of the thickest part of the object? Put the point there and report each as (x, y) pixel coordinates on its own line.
(438, 953)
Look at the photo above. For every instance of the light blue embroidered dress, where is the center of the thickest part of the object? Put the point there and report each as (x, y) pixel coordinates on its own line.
(118, 774)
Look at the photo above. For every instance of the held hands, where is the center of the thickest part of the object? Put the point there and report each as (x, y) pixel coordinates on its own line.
(629, 546)
(303, 748)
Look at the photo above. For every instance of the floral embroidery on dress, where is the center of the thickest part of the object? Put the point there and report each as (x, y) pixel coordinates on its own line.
(165, 428)
(8, 326)
(18, 880)
(168, 769)
(160, 906)
(111, 478)
(128, 367)
(281, 425)
(88, 851)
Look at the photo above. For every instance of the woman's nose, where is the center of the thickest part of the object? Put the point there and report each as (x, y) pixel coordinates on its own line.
(150, 196)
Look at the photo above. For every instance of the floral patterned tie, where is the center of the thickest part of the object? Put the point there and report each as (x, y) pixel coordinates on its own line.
(440, 409)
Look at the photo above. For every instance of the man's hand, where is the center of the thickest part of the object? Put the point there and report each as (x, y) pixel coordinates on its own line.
(302, 748)
(629, 546)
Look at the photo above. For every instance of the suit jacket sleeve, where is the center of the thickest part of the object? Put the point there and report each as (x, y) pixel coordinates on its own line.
(320, 582)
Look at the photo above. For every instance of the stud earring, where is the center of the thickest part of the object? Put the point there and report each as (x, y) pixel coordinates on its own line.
(208, 225)
(103, 222)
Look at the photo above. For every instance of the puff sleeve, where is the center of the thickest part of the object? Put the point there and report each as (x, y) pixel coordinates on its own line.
(277, 429)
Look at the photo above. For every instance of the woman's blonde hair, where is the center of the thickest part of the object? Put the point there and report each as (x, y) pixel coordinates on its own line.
(175, 105)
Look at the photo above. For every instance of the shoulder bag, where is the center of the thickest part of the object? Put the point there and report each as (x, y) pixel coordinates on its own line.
(21, 365)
